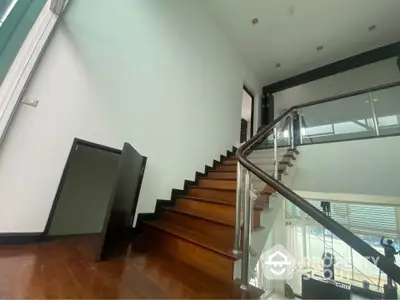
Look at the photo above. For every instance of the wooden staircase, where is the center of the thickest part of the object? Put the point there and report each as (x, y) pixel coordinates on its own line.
(197, 226)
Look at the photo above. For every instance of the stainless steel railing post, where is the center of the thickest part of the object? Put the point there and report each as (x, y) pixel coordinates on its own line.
(300, 116)
(374, 118)
(275, 154)
(246, 234)
(291, 132)
(238, 209)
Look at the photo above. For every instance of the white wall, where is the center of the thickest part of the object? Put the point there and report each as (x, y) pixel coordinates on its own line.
(158, 74)
(375, 74)
(369, 167)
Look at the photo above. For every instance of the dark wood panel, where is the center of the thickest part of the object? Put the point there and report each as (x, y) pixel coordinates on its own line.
(123, 201)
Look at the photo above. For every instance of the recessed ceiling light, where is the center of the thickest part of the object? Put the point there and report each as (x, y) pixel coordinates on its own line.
(278, 65)
(319, 48)
(372, 27)
(254, 21)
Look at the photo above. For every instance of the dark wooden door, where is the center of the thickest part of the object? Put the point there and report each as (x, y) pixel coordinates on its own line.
(81, 204)
(243, 130)
(124, 199)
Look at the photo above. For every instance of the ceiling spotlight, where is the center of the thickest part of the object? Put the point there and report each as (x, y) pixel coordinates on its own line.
(319, 48)
(278, 65)
(372, 27)
(254, 21)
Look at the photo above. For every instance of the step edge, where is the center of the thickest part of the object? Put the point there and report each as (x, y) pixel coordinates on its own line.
(198, 216)
(200, 199)
(213, 188)
(208, 247)
(217, 178)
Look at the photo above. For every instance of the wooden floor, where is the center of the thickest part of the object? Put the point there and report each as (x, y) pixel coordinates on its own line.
(65, 269)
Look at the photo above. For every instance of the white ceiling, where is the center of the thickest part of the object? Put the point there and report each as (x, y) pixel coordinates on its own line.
(289, 31)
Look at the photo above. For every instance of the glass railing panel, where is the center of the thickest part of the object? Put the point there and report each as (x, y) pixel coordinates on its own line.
(387, 107)
(343, 119)
(308, 243)
(283, 136)
(263, 155)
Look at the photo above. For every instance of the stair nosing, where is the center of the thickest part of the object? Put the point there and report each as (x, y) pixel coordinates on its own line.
(207, 200)
(193, 214)
(184, 237)
(217, 178)
(213, 188)
(223, 171)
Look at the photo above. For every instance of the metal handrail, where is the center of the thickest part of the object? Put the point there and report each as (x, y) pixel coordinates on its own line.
(350, 94)
(384, 264)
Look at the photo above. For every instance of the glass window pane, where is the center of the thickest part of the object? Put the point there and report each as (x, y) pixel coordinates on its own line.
(319, 130)
(388, 121)
(349, 127)
(5, 8)
(387, 109)
(365, 270)
(339, 120)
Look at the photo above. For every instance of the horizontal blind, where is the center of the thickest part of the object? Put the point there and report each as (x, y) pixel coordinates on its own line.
(292, 211)
(376, 218)
(362, 218)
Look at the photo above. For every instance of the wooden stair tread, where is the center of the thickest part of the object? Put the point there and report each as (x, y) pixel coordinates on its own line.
(214, 188)
(223, 171)
(216, 201)
(217, 178)
(193, 236)
(198, 215)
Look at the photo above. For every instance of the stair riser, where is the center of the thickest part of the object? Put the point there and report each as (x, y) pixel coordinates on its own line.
(221, 212)
(208, 261)
(218, 183)
(228, 196)
(226, 168)
(232, 162)
(224, 233)
(221, 175)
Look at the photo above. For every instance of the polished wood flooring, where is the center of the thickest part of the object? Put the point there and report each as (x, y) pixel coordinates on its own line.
(65, 269)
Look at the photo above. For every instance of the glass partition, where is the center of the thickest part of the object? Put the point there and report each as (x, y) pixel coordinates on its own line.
(308, 244)
(366, 115)
(344, 119)
(283, 136)
(387, 106)
(275, 221)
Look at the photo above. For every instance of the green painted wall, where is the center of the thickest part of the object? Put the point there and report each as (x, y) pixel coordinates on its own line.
(15, 29)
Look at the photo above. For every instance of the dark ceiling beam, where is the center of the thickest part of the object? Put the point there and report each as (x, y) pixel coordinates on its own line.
(343, 65)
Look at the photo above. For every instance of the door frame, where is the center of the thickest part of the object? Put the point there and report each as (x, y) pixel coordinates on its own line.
(76, 143)
(252, 110)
